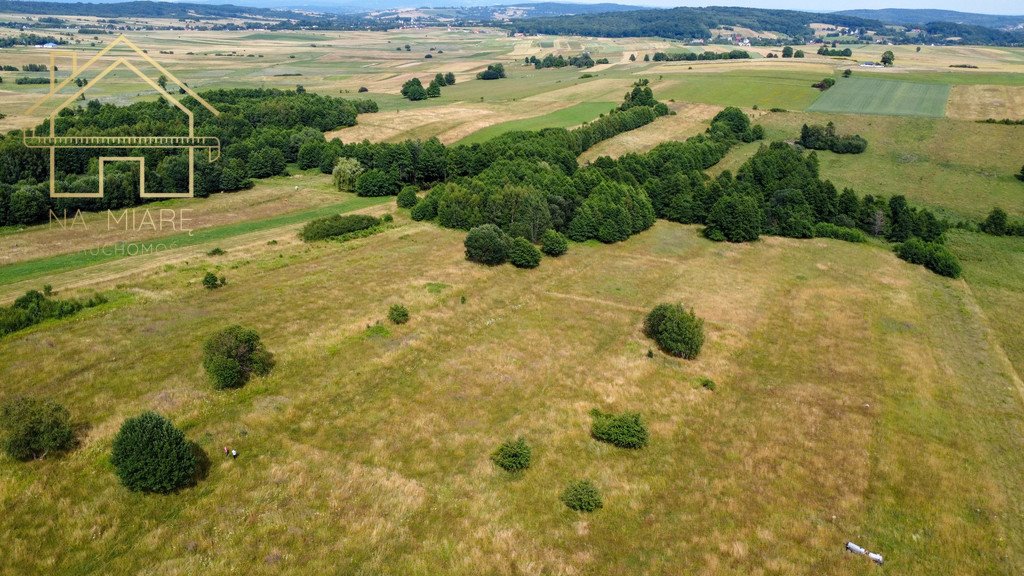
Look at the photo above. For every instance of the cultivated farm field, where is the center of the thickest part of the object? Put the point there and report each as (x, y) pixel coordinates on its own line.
(856, 396)
(877, 96)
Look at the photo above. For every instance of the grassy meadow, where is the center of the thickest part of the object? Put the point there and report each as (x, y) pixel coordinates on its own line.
(857, 397)
(366, 449)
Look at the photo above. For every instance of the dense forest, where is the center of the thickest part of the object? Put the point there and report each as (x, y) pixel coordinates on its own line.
(687, 23)
(142, 9)
(260, 130)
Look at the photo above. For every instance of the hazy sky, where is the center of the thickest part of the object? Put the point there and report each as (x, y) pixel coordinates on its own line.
(1015, 7)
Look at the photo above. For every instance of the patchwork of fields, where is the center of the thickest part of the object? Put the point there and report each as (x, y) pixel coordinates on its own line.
(857, 397)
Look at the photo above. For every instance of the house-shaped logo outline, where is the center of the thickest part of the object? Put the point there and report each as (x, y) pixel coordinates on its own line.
(191, 143)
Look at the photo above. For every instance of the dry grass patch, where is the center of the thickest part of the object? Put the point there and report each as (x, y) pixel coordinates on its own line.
(690, 119)
(980, 102)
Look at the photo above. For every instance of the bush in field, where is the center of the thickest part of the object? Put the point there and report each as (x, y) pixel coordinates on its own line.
(523, 254)
(233, 355)
(377, 183)
(33, 428)
(735, 218)
(931, 255)
(487, 244)
(996, 222)
(151, 455)
(345, 173)
(212, 282)
(553, 243)
(398, 314)
(582, 496)
(1020, 175)
(678, 331)
(407, 198)
(623, 430)
(337, 225)
(513, 455)
(826, 230)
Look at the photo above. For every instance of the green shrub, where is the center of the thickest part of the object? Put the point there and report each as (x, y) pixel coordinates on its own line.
(33, 428)
(707, 383)
(34, 307)
(931, 255)
(623, 430)
(513, 455)
(736, 218)
(553, 243)
(523, 254)
(211, 281)
(218, 251)
(151, 455)
(677, 331)
(407, 198)
(582, 496)
(336, 225)
(398, 314)
(827, 230)
(996, 222)
(487, 244)
(425, 209)
(233, 355)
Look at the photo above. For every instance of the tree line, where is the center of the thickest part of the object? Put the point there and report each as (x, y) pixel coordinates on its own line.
(706, 55)
(687, 23)
(260, 131)
(552, 61)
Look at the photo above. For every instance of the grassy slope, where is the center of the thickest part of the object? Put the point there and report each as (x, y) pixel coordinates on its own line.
(60, 263)
(994, 268)
(369, 453)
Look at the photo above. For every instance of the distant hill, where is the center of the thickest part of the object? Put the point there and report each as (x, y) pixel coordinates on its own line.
(688, 23)
(906, 17)
(141, 9)
(541, 9)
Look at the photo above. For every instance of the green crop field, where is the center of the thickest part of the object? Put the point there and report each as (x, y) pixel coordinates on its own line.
(857, 95)
(757, 88)
(572, 116)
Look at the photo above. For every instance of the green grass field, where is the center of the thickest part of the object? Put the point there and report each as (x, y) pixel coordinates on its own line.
(765, 89)
(60, 263)
(858, 95)
(572, 116)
